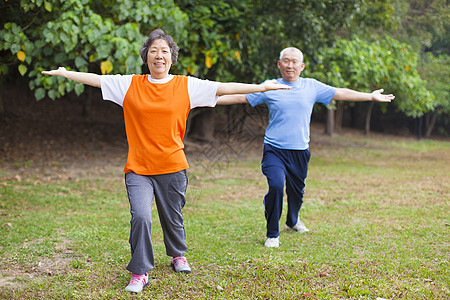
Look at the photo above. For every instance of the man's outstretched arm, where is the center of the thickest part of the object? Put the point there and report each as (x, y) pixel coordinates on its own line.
(351, 95)
(84, 78)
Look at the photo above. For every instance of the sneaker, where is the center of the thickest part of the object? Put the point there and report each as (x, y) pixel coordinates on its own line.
(137, 283)
(272, 242)
(300, 227)
(180, 264)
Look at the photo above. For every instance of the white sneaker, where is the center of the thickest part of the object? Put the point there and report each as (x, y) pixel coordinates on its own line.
(272, 242)
(300, 227)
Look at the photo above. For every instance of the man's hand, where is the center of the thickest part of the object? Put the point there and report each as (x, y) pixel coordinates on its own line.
(273, 85)
(379, 97)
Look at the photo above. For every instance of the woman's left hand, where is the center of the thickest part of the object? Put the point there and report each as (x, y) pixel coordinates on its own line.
(271, 85)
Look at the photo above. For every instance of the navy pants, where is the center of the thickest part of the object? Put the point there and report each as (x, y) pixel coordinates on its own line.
(280, 166)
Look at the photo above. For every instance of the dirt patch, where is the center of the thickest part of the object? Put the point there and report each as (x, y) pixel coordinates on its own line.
(12, 275)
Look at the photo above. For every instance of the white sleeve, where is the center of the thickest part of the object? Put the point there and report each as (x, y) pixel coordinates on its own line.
(202, 92)
(115, 87)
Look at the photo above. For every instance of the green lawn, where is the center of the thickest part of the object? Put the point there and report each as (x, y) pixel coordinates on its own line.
(378, 211)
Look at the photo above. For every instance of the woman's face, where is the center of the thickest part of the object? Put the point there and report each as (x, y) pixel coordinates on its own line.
(159, 59)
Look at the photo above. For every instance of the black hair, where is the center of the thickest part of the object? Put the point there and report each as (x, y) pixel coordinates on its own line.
(158, 34)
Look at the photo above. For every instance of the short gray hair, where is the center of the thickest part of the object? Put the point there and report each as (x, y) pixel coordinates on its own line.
(158, 34)
(291, 49)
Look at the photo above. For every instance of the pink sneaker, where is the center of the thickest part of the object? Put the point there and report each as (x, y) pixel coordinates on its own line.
(180, 264)
(137, 283)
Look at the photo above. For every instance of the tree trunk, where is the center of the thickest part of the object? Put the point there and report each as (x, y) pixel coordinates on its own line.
(87, 102)
(192, 115)
(430, 121)
(419, 128)
(330, 122)
(2, 107)
(236, 115)
(368, 117)
(201, 125)
(339, 116)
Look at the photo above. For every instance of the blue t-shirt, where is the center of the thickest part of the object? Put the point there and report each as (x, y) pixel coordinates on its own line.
(290, 111)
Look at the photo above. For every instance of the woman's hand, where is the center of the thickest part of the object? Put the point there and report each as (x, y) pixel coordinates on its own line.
(271, 85)
(61, 71)
(84, 78)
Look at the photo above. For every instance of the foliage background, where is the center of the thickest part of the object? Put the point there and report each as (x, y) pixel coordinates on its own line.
(358, 44)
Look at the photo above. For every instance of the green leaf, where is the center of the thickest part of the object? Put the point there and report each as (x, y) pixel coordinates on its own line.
(15, 48)
(52, 94)
(39, 94)
(7, 37)
(69, 86)
(64, 37)
(48, 51)
(22, 69)
(79, 89)
(15, 29)
(60, 58)
(80, 62)
(61, 89)
(48, 6)
(48, 81)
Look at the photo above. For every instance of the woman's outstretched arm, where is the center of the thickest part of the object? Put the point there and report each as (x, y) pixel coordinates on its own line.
(84, 78)
(231, 88)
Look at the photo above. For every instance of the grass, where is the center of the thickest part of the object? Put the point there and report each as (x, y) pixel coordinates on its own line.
(377, 209)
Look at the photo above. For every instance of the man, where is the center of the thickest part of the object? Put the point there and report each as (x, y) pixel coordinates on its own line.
(286, 141)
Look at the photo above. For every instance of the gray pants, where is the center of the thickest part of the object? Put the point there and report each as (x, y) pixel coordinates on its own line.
(169, 192)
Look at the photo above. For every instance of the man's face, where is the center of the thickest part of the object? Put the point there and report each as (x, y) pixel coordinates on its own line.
(159, 59)
(291, 65)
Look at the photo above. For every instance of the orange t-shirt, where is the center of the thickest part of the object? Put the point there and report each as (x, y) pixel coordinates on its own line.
(155, 113)
(155, 121)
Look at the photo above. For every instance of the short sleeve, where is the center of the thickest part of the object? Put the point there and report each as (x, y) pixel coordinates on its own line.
(115, 87)
(325, 93)
(257, 98)
(202, 92)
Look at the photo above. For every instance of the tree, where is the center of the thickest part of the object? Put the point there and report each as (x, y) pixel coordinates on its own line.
(81, 35)
(224, 40)
(305, 24)
(241, 40)
(434, 69)
(309, 25)
(422, 23)
(312, 26)
(385, 63)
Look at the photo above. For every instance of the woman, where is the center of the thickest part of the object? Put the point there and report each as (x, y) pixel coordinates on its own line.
(156, 108)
